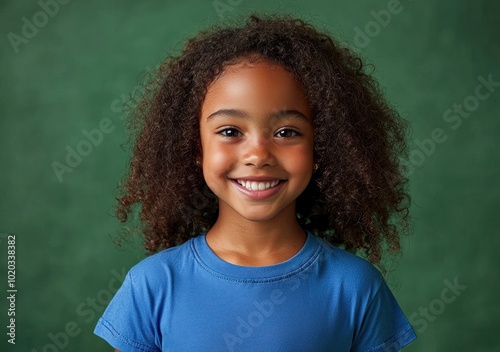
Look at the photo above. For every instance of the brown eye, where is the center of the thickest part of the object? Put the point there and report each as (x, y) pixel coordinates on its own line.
(287, 133)
(230, 132)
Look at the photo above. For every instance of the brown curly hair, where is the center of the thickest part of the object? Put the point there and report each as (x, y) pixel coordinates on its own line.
(359, 140)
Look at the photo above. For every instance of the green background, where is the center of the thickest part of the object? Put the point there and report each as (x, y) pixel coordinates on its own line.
(71, 75)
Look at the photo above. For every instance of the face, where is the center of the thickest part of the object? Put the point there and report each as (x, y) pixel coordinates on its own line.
(257, 141)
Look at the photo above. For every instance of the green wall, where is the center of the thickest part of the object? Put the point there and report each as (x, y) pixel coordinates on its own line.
(67, 75)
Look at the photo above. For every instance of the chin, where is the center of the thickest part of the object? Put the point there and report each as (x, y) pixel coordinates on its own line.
(260, 216)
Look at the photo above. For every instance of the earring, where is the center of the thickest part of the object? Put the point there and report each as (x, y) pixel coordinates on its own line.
(315, 167)
(198, 163)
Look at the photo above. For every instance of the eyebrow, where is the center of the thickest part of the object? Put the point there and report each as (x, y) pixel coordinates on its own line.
(280, 114)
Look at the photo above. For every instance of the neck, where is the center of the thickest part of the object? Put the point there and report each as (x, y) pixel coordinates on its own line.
(253, 243)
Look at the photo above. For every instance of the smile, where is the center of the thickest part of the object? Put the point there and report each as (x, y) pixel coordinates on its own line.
(258, 190)
(257, 186)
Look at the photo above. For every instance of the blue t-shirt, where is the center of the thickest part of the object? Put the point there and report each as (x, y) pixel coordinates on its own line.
(187, 299)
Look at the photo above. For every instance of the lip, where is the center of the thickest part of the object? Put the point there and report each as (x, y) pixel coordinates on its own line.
(258, 195)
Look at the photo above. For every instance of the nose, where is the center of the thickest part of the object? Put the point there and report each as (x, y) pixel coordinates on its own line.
(258, 152)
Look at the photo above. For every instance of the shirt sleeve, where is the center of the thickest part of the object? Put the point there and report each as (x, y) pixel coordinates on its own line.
(127, 323)
(384, 327)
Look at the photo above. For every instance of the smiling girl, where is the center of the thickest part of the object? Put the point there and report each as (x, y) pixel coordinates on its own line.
(262, 159)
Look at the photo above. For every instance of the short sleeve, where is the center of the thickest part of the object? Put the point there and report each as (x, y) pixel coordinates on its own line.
(384, 327)
(127, 323)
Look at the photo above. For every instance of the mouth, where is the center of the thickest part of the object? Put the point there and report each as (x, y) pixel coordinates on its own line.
(258, 185)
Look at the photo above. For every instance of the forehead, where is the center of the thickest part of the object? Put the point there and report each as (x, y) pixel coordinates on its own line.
(255, 85)
(257, 68)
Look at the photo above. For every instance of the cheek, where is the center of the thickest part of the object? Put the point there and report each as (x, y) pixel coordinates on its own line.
(218, 159)
(301, 161)
(303, 153)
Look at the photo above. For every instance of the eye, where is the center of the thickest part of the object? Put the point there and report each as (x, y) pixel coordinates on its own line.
(229, 132)
(287, 133)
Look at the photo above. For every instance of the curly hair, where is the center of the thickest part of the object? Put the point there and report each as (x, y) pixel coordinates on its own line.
(357, 196)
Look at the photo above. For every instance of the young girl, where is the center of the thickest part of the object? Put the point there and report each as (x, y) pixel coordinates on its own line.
(265, 155)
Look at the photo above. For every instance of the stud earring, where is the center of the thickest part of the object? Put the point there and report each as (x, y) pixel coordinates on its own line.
(315, 167)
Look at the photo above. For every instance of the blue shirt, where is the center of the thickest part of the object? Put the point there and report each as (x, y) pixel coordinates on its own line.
(187, 299)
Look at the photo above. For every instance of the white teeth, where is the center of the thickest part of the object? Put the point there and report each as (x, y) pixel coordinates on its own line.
(257, 186)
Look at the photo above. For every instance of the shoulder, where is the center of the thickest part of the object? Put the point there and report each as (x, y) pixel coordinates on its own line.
(162, 266)
(378, 321)
(352, 271)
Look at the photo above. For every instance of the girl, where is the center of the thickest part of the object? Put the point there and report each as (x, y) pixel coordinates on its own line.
(265, 155)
